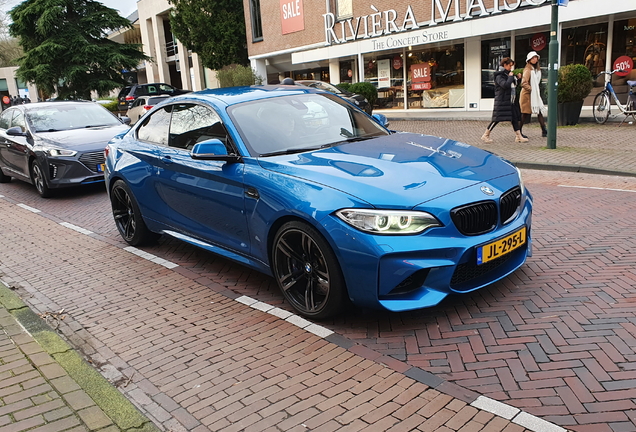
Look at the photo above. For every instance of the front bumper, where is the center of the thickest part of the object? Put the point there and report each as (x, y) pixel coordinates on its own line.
(400, 273)
(68, 172)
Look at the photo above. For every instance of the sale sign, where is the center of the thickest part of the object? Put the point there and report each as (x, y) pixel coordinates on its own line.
(420, 73)
(291, 15)
(397, 62)
(624, 64)
(538, 42)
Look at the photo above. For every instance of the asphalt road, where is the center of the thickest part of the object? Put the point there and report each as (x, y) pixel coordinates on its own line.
(556, 339)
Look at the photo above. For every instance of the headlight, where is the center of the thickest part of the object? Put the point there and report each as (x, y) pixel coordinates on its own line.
(52, 151)
(521, 185)
(388, 221)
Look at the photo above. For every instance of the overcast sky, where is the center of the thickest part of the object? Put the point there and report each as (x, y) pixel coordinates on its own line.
(125, 7)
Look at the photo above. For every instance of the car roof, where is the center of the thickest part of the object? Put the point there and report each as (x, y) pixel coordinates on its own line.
(234, 95)
(40, 105)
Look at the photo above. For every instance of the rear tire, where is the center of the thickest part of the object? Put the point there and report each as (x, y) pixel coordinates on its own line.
(601, 107)
(128, 219)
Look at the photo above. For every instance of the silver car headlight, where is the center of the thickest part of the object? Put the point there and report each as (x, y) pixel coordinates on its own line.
(521, 185)
(400, 222)
(56, 152)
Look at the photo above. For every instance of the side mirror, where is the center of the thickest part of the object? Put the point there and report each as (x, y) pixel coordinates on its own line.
(125, 120)
(16, 131)
(381, 118)
(212, 149)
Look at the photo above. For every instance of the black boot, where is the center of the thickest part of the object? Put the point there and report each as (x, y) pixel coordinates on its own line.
(544, 132)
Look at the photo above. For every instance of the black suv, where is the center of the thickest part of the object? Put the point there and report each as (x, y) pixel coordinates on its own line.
(129, 94)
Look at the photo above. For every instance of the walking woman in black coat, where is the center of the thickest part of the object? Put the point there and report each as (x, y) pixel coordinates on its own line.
(505, 108)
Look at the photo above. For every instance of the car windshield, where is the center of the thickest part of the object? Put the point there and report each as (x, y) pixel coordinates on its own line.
(297, 123)
(69, 116)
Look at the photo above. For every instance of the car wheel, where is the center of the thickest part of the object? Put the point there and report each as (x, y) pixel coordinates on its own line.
(39, 180)
(127, 216)
(4, 178)
(307, 271)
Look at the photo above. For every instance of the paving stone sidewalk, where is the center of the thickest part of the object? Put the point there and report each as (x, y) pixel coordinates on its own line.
(38, 394)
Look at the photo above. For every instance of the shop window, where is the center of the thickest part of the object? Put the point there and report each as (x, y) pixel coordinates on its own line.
(257, 24)
(346, 71)
(434, 78)
(492, 52)
(585, 45)
(623, 43)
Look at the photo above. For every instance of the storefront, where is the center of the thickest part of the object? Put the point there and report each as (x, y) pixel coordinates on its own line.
(437, 54)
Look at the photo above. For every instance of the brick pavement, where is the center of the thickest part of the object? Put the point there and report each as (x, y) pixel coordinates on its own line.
(515, 333)
(198, 360)
(36, 393)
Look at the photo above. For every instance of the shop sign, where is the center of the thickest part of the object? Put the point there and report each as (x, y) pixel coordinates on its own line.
(382, 23)
(397, 62)
(624, 63)
(384, 73)
(291, 16)
(6, 100)
(421, 86)
(538, 42)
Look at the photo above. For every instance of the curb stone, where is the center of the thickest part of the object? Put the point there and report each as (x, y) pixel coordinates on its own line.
(110, 400)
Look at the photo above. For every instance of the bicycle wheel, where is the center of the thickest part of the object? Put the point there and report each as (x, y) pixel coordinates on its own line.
(601, 107)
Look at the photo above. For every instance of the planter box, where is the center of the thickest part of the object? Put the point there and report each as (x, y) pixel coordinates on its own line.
(568, 113)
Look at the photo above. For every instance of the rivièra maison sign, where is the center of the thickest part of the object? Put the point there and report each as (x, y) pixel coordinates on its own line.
(381, 23)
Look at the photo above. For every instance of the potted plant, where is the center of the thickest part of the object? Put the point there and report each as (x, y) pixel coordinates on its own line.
(575, 83)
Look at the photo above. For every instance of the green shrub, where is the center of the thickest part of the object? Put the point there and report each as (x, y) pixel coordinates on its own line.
(344, 87)
(238, 75)
(111, 106)
(365, 89)
(575, 83)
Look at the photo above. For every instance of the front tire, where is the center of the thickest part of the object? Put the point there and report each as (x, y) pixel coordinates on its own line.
(39, 180)
(128, 219)
(4, 178)
(307, 271)
(601, 108)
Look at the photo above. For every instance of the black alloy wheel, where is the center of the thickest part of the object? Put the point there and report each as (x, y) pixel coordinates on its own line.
(127, 216)
(307, 271)
(39, 180)
(4, 178)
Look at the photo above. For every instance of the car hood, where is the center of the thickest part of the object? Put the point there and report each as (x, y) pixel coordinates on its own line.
(400, 170)
(82, 139)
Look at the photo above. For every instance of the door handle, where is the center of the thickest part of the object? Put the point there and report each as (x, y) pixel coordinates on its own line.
(166, 159)
(252, 193)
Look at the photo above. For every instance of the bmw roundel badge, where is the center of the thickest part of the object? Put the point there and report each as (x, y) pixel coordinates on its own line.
(487, 190)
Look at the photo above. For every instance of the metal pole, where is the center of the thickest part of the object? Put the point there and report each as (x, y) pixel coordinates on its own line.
(553, 53)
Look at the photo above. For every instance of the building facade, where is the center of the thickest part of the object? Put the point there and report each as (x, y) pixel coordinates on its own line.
(445, 51)
(11, 86)
(171, 62)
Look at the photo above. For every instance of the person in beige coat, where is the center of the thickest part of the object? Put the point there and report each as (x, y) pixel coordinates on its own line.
(530, 98)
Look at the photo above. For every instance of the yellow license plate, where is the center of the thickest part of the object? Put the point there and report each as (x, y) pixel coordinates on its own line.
(101, 167)
(501, 247)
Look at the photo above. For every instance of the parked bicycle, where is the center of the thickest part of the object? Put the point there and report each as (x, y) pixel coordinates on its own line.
(602, 104)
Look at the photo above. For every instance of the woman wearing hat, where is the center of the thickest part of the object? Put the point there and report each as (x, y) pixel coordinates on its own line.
(530, 98)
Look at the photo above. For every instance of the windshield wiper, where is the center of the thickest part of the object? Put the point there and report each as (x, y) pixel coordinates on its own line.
(95, 126)
(288, 152)
(348, 140)
(49, 130)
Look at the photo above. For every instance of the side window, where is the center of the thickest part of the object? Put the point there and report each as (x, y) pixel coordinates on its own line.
(18, 120)
(5, 119)
(195, 123)
(165, 88)
(151, 90)
(155, 128)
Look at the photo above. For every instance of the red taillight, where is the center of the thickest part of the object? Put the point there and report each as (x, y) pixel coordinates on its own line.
(147, 107)
(129, 98)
